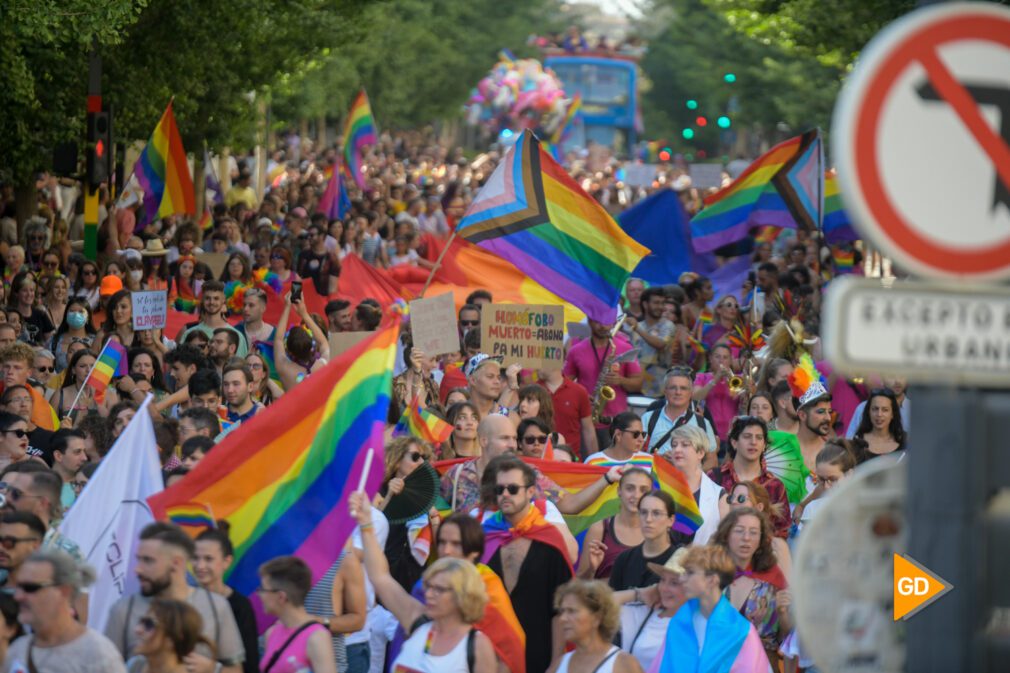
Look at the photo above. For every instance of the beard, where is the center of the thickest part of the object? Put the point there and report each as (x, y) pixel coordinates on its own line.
(153, 587)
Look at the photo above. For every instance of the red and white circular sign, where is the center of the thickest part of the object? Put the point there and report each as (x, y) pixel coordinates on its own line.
(921, 140)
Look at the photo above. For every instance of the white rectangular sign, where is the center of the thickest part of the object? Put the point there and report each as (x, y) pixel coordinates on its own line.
(639, 175)
(150, 309)
(928, 332)
(706, 176)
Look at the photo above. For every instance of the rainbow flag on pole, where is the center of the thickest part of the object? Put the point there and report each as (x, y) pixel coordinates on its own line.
(334, 202)
(423, 424)
(532, 214)
(281, 480)
(837, 225)
(784, 187)
(110, 364)
(163, 173)
(358, 132)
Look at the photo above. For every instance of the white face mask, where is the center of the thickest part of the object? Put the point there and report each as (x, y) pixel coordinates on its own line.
(136, 275)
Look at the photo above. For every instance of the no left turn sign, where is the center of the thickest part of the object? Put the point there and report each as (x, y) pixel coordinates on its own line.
(921, 140)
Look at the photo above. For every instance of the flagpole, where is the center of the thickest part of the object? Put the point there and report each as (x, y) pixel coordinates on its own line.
(438, 263)
(86, 379)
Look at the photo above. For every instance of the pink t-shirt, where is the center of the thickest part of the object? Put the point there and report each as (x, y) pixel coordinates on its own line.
(294, 658)
(719, 403)
(583, 366)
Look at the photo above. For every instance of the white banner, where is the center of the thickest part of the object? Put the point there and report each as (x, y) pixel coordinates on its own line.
(108, 516)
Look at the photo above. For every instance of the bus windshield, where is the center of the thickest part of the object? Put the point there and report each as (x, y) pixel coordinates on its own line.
(598, 84)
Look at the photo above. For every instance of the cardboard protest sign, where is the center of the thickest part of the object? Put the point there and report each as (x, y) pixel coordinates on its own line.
(433, 324)
(216, 262)
(343, 341)
(150, 309)
(639, 175)
(530, 334)
(706, 176)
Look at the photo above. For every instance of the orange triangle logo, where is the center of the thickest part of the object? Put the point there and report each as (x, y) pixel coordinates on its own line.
(915, 587)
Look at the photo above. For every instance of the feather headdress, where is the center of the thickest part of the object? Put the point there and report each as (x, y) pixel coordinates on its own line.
(807, 383)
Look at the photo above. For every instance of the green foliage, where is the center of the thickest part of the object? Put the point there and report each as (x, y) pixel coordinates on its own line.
(690, 59)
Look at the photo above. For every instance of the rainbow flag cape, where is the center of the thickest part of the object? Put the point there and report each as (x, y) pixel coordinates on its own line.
(163, 173)
(423, 424)
(110, 364)
(784, 187)
(837, 226)
(192, 517)
(358, 132)
(672, 481)
(532, 214)
(281, 480)
(334, 202)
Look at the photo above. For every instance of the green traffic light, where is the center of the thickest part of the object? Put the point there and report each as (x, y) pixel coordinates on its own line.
(688, 134)
(729, 77)
(724, 122)
(692, 104)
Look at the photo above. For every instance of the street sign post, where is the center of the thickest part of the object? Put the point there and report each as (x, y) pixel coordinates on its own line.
(921, 139)
(926, 332)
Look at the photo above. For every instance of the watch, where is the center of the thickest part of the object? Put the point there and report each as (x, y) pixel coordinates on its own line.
(326, 623)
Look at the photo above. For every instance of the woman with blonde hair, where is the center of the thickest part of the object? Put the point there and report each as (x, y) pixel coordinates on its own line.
(444, 640)
(687, 450)
(589, 618)
(166, 635)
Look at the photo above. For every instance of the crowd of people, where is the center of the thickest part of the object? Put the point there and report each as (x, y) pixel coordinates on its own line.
(506, 583)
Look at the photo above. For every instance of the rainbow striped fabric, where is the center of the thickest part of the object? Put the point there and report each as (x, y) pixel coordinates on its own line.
(110, 364)
(532, 214)
(206, 222)
(163, 173)
(837, 226)
(192, 517)
(573, 477)
(423, 424)
(782, 188)
(358, 132)
(334, 202)
(844, 259)
(282, 479)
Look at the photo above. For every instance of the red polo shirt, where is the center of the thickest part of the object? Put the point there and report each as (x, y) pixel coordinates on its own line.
(571, 405)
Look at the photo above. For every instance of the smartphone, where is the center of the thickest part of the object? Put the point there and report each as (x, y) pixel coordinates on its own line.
(296, 290)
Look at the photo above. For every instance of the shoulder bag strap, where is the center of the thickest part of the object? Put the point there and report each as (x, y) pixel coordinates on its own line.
(613, 653)
(279, 652)
(217, 622)
(32, 668)
(471, 650)
(126, 626)
(641, 628)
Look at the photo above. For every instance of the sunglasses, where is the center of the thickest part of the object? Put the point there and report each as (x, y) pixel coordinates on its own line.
(8, 542)
(729, 305)
(738, 499)
(530, 440)
(89, 272)
(49, 369)
(147, 623)
(33, 587)
(469, 323)
(20, 434)
(635, 434)
(415, 456)
(50, 265)
(513, 489)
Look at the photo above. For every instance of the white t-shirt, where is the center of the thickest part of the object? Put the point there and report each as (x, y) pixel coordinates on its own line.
(649, 638)
(381, 527)
(91, 652)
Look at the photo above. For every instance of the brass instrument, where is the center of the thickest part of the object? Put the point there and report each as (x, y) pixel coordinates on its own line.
(735, 384)
(602, 393)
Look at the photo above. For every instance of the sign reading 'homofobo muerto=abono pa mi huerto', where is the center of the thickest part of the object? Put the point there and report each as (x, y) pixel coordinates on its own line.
(531, 334)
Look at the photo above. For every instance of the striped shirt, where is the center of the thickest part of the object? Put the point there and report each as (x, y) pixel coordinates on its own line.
(319, 602)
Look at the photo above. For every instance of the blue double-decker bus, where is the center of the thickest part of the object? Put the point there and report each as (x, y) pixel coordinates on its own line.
(608, 84)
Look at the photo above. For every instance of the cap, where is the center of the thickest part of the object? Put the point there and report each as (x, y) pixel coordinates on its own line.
(130, 253)
(110, 286)
(474, 363)
(299, 212)
(673, 565)
(264, 222)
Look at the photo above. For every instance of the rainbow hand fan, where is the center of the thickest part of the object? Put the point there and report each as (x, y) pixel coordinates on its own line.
(784, 459)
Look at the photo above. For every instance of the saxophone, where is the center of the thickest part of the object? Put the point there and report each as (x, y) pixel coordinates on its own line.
(603, 393)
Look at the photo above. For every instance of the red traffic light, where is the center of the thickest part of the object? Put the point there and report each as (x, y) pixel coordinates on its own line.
(664, 155)
(701, 121)
(99, 149)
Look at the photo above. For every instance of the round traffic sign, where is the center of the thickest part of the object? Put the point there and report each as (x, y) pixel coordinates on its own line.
(922, 141)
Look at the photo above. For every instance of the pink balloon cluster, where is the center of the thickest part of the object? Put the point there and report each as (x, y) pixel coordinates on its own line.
(521, 93)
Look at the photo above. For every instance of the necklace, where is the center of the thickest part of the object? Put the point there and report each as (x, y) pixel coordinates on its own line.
(429, 640)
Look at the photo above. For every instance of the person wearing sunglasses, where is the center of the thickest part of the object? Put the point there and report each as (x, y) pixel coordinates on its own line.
(14, 438)
(21, 535)
(48, 584)
(534, 434)
(469, 318)
(403, 455)
(163, 557)
(626, 444)
(166, 635)
(88, 287)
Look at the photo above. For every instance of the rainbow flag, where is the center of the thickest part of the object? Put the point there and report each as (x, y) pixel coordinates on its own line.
(192, 517)
(767, 234)
(206, 222)
(837, 227)
(163, 173)
(281, 480)
(672, 481)
(783, 188)
(532, 214)
(423, 424)
(358, 132)
(110, 364)
(334, 202)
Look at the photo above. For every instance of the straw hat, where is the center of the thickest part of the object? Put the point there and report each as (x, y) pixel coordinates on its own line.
(154, 248)
(672, 566)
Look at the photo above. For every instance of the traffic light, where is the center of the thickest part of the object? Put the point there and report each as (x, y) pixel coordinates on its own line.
(692, 104)
(729, 78)
(665, 154)
(99, 148)
(688, 134)
(701, 121)
(724, 122)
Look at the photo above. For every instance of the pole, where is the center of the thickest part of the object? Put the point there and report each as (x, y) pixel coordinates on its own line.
(86, 379)
(91, 195)
(438, 264)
